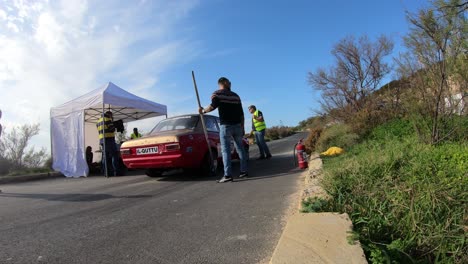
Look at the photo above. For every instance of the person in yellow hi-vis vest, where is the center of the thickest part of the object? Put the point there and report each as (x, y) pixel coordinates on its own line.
(135, 134)
(106, 131)
(259, 128)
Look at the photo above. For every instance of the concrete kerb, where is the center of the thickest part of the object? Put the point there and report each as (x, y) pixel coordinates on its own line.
(312, 183)
(316, 237)
(31, 177)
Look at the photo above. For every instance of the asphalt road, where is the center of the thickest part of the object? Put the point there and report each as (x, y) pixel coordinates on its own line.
(136, 219)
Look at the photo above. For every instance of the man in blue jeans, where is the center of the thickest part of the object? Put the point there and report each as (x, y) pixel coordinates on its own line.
(259, 128)
(231, 116)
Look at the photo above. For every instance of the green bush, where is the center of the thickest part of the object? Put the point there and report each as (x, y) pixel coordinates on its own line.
(394, 129)
(338, 135)
(314, 205)
(407, 200)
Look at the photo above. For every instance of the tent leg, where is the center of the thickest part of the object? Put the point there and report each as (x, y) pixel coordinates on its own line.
(51, 145)
(84, 141)
(104, 155)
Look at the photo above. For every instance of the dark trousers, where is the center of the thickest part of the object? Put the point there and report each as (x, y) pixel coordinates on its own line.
(111, 156)
(261, 143)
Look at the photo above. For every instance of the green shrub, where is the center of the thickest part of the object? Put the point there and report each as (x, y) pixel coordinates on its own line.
(394, 129)
(338, 135)
(314, 205)
(407, 200)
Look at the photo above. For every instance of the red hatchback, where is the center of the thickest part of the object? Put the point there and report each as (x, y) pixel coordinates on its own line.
(176, 143)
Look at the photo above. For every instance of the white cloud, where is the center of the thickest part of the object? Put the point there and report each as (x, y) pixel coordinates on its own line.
(51, 52)
(13, 27)
(3, 15)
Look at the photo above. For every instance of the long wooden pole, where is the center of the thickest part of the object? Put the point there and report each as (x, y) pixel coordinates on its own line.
(202, 118)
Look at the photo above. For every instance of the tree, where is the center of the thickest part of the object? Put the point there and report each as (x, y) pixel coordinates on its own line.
(14, 147)
(435, 65)
(357, 73)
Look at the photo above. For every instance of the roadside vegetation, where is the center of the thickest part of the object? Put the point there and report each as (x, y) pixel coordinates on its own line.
(407, 199)
(277, 132)
(403, 179)
(17, 157)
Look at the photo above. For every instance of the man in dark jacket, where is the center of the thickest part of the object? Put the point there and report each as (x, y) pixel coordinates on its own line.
(231, 116)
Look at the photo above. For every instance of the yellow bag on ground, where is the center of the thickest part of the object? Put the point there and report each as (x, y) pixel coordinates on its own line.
(333, 151)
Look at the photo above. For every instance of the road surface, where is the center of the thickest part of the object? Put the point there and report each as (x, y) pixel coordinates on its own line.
(136, 219)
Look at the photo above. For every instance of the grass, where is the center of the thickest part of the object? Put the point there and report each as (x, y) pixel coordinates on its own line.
(314, 205)
(407, 200)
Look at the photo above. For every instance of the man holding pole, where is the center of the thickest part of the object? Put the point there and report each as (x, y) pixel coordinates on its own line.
(231, 118)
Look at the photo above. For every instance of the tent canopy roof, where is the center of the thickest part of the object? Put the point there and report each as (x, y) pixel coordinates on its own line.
(124, 105)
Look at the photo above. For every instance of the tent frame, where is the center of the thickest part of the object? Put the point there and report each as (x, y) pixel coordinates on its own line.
(94, 115)
(66, 115)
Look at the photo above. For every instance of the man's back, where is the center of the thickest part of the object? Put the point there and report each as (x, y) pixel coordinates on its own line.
(229, 105)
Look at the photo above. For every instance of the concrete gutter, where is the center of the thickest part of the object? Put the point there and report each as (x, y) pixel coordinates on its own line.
(317, 237)
(31, 177)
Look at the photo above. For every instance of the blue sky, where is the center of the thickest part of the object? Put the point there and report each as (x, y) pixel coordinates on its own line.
(266, 48)
(53, 51)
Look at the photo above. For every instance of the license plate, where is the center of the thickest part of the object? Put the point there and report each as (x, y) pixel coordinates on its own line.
(145, 151)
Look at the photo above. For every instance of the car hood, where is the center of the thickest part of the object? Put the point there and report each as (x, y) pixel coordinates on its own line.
(159, 138)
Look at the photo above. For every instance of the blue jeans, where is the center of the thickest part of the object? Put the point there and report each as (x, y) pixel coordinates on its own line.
(262, 146)
(234, 132)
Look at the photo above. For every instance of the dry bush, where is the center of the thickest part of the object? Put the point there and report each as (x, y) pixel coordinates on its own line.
(277, 132)
(359, 68)
(337, 135)
(311, 140)
(14, 147)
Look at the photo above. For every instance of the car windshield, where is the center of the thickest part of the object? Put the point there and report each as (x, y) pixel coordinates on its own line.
(176, 123)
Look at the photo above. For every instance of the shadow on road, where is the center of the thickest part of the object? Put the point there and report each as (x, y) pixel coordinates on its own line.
(278, 166)
(72, 197)
(132, 172)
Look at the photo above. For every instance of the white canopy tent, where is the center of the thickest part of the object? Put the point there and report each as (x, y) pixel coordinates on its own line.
(73, 124)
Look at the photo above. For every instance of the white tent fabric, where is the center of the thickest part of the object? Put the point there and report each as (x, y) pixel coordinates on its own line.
(73, 124)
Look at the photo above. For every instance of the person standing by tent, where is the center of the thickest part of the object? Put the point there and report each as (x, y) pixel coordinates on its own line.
(259, 128)
(106, 131)
(231, 117)
(135, 134)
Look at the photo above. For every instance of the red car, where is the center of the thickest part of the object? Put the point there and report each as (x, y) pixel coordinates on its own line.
(176, 143)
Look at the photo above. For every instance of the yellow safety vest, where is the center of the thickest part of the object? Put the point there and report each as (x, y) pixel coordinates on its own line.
(105, 128)
(259, 126)
(133, 136)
